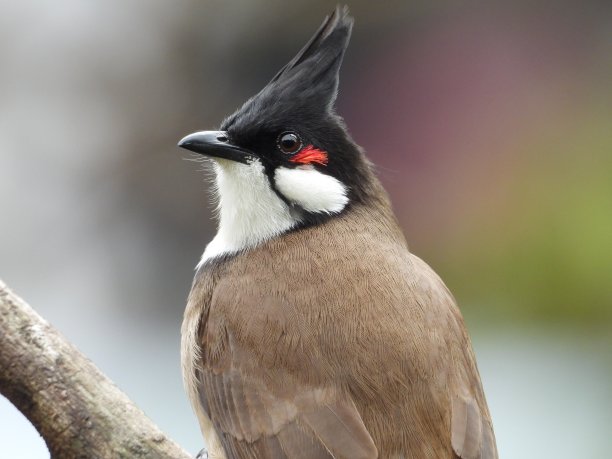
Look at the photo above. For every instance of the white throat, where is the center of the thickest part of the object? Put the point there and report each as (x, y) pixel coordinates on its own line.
(250, 212)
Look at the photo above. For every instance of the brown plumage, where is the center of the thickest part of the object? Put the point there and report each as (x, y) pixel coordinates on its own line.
(329, 339)
(335, 341)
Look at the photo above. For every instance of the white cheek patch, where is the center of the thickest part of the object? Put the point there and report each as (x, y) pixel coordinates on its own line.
(312, 190)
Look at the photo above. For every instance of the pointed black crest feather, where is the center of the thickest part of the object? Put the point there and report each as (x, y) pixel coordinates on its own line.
(307, 85)
(339, 19)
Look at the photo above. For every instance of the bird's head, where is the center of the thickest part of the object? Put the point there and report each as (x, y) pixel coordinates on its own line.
(285, 159)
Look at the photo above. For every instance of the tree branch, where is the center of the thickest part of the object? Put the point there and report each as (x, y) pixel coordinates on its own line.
(79, 412)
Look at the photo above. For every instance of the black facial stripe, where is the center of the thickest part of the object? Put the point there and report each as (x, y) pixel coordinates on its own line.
(269, 170)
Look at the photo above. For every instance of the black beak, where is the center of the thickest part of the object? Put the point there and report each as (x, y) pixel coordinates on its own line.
(215, 144)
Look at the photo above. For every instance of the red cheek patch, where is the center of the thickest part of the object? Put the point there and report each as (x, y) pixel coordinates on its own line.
(310, 155)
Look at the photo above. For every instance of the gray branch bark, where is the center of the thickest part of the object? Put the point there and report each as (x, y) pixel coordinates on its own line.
(78, 411)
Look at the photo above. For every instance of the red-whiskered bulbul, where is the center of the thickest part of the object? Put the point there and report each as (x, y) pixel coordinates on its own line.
(311, 331)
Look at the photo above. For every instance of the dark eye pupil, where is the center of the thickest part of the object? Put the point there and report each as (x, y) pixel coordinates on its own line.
(289, 143)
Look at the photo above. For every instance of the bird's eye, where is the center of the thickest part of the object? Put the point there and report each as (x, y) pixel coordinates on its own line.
(289, 142)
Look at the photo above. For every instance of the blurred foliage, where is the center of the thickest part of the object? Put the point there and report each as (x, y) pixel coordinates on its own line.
(547, 256)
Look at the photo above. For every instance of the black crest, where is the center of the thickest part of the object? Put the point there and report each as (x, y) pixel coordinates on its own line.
(307, 85)
(317, 65)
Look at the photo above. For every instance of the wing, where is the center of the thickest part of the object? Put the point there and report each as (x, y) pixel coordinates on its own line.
(471, 430)
(262, 411)
(253, 422)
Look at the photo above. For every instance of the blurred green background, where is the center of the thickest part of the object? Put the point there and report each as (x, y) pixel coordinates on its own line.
(490, 124)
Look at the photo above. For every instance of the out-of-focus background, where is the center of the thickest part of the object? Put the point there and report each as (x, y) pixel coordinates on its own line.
(490, 123)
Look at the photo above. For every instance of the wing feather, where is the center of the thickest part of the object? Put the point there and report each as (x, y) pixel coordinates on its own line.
(466, 428)
(252, 421)
(340, 428)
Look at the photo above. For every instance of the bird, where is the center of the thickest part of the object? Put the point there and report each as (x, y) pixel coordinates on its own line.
(311, 330)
